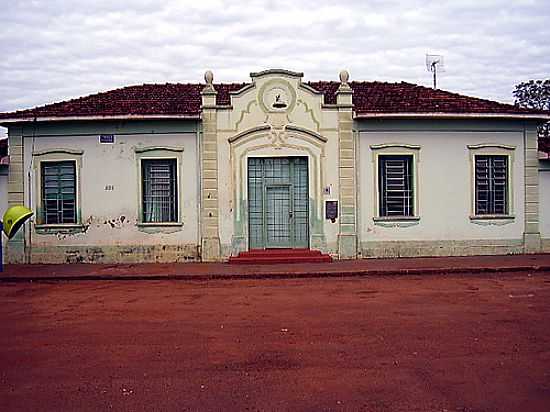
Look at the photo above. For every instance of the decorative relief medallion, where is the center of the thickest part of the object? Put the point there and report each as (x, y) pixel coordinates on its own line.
(277, 96)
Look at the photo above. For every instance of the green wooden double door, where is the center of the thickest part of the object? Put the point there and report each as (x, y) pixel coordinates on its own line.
(278, 202)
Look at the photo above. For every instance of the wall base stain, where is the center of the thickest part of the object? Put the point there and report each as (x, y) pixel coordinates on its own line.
(115, 254)
(412, 248)
(191, 252)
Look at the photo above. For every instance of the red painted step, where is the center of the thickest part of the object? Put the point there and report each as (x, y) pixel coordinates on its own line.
(275, 256)
(281, 252)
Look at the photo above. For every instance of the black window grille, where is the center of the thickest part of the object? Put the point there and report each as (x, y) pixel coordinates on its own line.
(491, 185)
(395, 185)
(58, 192)
(160, 197)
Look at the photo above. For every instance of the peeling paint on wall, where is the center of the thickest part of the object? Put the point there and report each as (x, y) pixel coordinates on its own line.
(116, 254)
(109, 229)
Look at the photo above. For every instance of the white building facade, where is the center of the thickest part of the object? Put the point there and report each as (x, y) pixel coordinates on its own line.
(352, 169)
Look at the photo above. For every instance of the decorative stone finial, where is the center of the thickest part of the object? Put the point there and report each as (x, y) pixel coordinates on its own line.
(208, 77)
(344, 92)
(344, 77)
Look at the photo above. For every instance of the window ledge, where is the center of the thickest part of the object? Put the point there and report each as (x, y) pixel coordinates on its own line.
(396, 221)
(498, 220)
(60, 228)
(160, 227)
(492, 217)
(160, 224)
(395, 218)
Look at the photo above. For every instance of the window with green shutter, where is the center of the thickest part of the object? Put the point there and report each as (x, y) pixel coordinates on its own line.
(491, 185)
(160, 203)
(58, 192)
(395, 185)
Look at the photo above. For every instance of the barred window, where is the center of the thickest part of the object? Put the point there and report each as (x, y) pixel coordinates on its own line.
(160, 202)
(491, 185)
(395, 185)
(58, 192)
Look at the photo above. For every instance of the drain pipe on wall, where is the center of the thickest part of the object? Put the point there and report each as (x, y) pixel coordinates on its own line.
(357, 154)
(199, 189)
(28, 248)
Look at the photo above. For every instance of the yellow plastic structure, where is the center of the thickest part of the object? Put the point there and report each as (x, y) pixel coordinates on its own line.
(14, 218)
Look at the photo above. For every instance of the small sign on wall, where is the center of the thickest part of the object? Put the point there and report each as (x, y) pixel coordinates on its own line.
(331, 210)
(107, 138)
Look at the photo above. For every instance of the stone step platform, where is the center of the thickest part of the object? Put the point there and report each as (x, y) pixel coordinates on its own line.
(275, 256)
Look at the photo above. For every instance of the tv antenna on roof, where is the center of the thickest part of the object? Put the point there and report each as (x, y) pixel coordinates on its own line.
(434, 63)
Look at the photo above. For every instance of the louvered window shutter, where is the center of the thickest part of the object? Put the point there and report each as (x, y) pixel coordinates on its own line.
(58, 192)
(159, 191)
(395, 185)
(491, 185)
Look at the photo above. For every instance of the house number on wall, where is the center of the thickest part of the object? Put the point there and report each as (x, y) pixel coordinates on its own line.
(109, 188)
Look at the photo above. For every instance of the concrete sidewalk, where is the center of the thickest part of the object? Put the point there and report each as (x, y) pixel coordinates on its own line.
(208, 271)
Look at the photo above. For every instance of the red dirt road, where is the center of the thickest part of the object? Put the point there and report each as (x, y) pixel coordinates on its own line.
(460, 343)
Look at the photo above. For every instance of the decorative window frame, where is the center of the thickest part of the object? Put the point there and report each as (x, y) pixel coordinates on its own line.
(396, 149)
(492, 149)
(159, 153)
(56, 155)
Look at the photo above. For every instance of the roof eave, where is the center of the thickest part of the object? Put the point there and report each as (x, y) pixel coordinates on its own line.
(413, 115)
(113, 117)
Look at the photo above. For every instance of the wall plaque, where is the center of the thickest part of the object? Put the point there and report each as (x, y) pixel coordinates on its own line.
(331, 210)
(106, 138)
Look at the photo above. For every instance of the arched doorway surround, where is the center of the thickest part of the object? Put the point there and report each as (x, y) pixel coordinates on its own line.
(267, 142)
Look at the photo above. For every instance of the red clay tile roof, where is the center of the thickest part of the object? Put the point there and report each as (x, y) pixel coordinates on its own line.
(184, 99)
(410, 98)
(147, 99)
(388, 98)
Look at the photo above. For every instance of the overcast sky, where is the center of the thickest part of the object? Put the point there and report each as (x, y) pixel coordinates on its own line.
(53, 50)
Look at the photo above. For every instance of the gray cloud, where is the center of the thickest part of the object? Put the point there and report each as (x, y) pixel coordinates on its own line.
(55, 50)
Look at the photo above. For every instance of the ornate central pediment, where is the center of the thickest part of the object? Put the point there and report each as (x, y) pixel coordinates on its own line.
(277, 98)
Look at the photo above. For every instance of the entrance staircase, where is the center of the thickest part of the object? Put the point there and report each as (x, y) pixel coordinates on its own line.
(284, 256)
